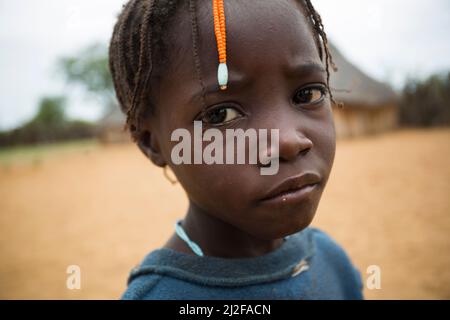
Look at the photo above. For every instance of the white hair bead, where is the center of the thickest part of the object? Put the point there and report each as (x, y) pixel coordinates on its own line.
(222, 75)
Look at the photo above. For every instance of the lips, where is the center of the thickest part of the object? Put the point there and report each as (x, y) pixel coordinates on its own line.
(293, 187)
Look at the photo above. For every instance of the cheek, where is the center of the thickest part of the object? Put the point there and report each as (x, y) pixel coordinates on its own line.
(319, 127)
(325, 139)
(216, 188)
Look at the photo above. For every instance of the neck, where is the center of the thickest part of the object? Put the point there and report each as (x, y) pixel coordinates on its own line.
(219, 239)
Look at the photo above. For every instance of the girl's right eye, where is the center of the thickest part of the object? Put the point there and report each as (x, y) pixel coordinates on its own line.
(220, 115)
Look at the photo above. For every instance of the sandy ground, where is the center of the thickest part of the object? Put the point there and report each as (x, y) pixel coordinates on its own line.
(387, 203)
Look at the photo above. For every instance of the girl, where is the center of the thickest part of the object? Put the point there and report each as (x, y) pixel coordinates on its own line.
(235, 64)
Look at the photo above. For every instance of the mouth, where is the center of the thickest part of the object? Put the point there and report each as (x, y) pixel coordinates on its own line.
(293, 189)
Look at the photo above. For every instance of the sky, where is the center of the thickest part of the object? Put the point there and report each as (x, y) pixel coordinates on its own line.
(391, 40)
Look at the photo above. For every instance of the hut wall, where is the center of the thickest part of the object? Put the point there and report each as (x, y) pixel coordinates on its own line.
(357, 120)
(113, 134)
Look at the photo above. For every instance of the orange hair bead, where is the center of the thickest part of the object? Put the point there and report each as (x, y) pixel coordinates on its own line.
(221, 39)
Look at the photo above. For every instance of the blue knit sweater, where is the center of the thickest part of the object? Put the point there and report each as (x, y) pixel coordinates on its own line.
(309, 265)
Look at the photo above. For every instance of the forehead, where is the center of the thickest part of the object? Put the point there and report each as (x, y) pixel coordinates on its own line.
(262, 36)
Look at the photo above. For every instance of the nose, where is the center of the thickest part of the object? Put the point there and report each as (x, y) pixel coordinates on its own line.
(293, 138)
(292, 144)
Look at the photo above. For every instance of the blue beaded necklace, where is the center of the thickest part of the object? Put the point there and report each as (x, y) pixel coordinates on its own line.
(194, 247)
(182, 234)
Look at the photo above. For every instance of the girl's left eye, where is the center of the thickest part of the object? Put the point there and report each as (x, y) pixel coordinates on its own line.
(310, 95)
(220, 115)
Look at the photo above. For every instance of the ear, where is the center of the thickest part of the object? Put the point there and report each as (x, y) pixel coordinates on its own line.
(149, 146)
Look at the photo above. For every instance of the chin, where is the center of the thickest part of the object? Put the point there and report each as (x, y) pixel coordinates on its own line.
(298, 222)
(302, 223)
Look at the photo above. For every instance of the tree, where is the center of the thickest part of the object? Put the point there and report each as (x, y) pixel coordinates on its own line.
(48, 123)
(89, 69)
(426, 103)
(51, 112)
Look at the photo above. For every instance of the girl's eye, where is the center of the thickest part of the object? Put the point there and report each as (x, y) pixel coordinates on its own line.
(309, 95)
(220, 115)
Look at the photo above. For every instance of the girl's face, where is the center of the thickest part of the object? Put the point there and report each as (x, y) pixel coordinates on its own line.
(276, 81)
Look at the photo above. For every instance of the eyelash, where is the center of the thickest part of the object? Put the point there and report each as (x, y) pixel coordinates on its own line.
(320, 87)
(204, 113)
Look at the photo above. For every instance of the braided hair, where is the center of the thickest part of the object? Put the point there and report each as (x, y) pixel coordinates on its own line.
(138, 40)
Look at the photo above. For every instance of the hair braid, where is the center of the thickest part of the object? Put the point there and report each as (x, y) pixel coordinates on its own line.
(145, 62)
(320, 33)
(195, 37)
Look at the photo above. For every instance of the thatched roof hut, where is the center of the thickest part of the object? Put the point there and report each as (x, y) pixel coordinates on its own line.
(110, 127)
(369, 105)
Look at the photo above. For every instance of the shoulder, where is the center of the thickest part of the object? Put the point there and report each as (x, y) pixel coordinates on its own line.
(142, 287)
(159, 286)
(143, 279)
(332, 260)
(148, 281)
(327, 246)
(158, 277)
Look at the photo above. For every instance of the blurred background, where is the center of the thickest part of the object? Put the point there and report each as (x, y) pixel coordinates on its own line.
(75, 191)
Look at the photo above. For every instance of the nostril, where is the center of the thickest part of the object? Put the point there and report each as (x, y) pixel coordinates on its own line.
(305, 151)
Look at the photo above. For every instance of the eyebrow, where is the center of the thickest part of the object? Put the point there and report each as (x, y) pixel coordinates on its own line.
(235, 80)
(306, 69)
(240, 80)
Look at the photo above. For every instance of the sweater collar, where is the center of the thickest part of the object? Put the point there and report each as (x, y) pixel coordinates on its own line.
(290, 259)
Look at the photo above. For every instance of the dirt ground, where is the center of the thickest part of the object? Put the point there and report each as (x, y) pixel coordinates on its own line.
(387, 203)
